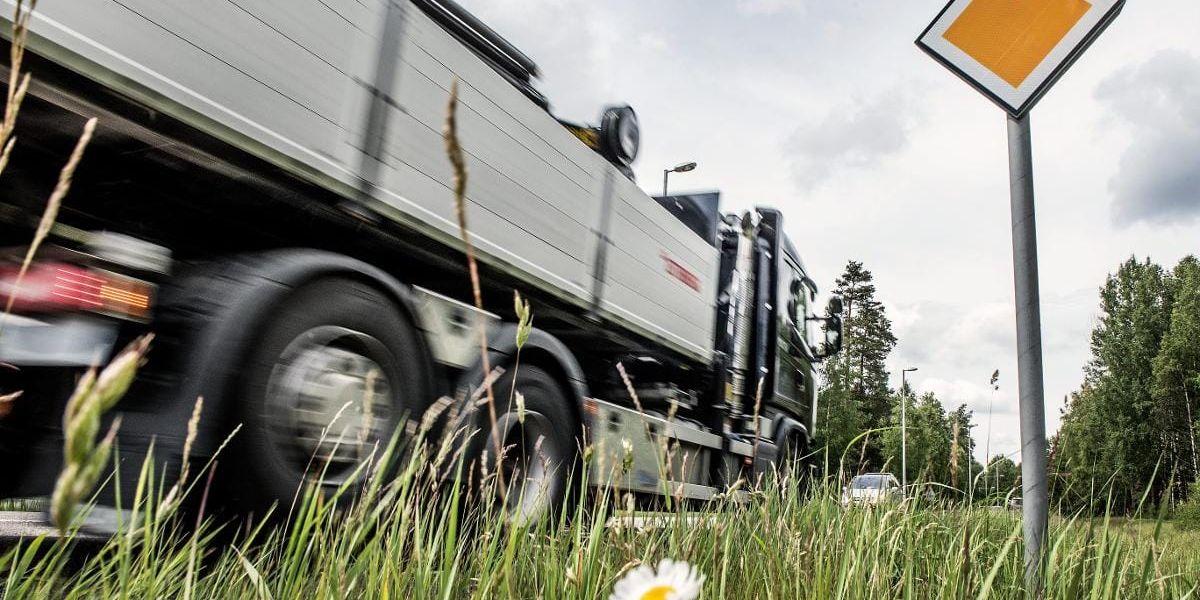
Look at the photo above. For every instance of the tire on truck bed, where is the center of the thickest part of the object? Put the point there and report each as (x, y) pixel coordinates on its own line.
(233, 330)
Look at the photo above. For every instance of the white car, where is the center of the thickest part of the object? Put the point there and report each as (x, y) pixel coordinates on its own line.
(871, 489)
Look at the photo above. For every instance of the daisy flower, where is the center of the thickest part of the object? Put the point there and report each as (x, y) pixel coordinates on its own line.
(672, 580)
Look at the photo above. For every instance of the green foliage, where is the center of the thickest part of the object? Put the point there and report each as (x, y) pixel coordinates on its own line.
(929, 439)
(1187, 516)
(1000, 481)
(1130, 429)
(966, 464)
(408, 538)
(839, 422)
(856, 396)
(1176, 371)
(858, 415)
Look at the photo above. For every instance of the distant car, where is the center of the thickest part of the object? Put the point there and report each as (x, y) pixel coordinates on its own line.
(870, 489)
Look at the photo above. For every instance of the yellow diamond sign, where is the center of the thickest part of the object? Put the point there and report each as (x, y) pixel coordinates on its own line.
(1014, 50)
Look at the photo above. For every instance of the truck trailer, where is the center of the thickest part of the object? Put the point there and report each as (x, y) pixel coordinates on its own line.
(268, 192)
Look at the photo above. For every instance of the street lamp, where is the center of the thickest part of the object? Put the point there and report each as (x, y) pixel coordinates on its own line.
(904, 428)
(680, 168)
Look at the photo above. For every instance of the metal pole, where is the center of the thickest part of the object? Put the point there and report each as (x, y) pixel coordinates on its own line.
(1029, 351)
(904, 432)
(666, 173)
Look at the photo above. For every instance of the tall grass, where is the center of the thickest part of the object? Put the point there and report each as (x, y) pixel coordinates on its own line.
(414, 536)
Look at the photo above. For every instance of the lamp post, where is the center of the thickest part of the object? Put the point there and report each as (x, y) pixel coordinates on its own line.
(904, 428)
(679, 168)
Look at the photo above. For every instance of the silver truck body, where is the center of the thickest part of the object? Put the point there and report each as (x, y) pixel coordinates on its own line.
(292, 81)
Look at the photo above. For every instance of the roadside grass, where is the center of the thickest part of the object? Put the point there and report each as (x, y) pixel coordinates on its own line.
(1180, 546)
(413, 537)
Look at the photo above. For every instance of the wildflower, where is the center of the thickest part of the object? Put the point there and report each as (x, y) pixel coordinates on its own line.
(524, 319)
(520, 398)
(672, 580)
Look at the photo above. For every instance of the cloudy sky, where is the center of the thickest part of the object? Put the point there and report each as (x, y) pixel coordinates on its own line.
(827, 110)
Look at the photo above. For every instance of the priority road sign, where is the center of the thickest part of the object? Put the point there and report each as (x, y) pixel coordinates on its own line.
(1014, 50)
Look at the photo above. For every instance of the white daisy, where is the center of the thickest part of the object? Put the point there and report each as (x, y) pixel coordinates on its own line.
(673, 580)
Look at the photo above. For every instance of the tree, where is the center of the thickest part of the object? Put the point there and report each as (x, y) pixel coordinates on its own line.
(934, 454)
(1108, 435)
(999, 480)
(1176, 373)
(839, 422)
(1076, 465)
(856, 396)
(963, 465)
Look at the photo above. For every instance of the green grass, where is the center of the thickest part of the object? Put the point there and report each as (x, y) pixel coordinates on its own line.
(401, 539)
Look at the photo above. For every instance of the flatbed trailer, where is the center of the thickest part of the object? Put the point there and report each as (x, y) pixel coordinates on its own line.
(274, 173)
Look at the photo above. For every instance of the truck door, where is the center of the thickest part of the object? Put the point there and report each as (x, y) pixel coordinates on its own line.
(794, 385)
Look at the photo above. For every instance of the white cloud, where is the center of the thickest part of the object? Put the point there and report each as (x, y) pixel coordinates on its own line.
(652, 41)
(1159, 175)
(978, 397)
(955, 335)
(771, 7)
(851, 138)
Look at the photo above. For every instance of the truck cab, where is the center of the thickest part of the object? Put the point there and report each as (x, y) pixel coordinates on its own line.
(769, 336)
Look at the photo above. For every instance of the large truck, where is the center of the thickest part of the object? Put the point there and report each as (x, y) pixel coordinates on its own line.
(268, 193)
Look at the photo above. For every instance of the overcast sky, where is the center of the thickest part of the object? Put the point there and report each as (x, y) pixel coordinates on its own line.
(828, 110)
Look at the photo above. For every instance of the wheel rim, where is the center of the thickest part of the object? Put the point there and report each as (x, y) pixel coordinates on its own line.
(329, 401)
(531, 465)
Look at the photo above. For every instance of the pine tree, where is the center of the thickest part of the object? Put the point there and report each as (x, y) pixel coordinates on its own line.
(856, 394)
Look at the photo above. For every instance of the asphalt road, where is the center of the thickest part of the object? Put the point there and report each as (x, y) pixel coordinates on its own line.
(19, 525)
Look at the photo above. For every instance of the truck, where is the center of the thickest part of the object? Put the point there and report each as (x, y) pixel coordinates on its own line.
(268, 193)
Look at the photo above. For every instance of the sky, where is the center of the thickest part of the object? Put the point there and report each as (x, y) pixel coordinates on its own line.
(828, 111)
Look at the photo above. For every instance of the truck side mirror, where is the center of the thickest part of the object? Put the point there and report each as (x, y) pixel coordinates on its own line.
(833, 337)
(835, 305)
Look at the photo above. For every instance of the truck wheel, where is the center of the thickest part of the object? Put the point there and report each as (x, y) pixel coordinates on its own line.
(332, 375)
(539, 444)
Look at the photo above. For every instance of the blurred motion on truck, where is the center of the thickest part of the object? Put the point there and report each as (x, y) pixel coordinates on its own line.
(268, 193)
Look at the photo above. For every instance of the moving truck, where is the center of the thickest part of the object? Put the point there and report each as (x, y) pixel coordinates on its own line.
(268, 192)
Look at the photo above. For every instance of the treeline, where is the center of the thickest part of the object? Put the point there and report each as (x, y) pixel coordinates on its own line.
(858, 413)
(1128, 434)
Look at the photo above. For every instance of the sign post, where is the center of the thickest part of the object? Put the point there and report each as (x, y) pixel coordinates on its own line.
(1034, 492)
(1013, 51)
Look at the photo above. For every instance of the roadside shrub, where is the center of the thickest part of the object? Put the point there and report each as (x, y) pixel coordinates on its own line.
(1187, 516)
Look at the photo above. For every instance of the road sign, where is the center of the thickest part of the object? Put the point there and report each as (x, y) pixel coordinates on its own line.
(1014, 50)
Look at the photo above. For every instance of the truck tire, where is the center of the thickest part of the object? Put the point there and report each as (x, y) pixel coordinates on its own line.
(302, 396)
(793, 461)
(540, 444)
